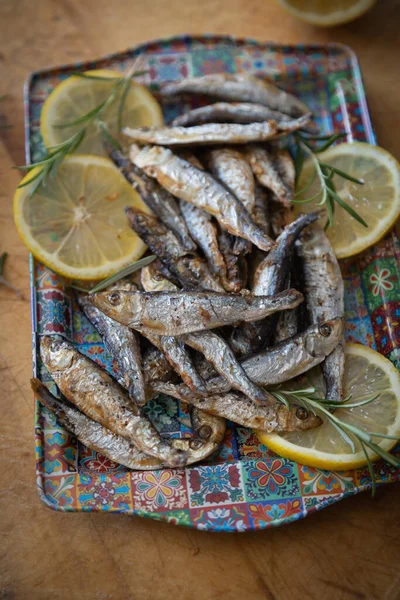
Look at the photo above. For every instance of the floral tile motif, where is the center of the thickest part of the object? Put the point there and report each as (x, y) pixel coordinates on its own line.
(270, 478)
(381, 281)
(386, 325)
(252, 59)
(53, 313)
(313, 503)
(320, 482)
(60, 452)
(84, 332)
(59, 492)
(169, 67)
(221, 518)
(217, 484)
(163, 411)
(360, 331)
(90, 461)
(206, 61)
(111, 492)
(101, 356)
(383, 473)
(47, 279)
(159, 491)
(249, 446)
(228, 452)
(175, 517)
(262, 514)
(354, 300)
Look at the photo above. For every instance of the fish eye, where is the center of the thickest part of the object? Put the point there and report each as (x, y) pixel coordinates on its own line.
(205, 432)
(114, 298)
(54, 345)
(195, 444)
(301, 413)
(325, 330)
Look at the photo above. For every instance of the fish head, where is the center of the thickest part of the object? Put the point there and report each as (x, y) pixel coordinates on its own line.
(153, 281)
(117, 304)
(299, 418)
(57, 354)
(321, 339)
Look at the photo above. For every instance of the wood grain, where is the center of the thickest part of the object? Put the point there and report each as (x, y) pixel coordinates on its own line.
(350, 550)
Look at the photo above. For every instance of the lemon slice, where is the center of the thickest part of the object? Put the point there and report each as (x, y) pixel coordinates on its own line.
(366, 373)
(325, 13)
(76, 224)
(76, 96)
(377, 201)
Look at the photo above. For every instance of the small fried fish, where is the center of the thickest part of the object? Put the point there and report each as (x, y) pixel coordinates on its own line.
(324, 288)
(239, 112)
(239, 88)
(123, 344)
(236, 264)
(163, 204)
(189, 183)
(177, 313)
(189, 269)
(204, 135)
(204, 232)
(95, 393)
(243, 411)
(274, 169)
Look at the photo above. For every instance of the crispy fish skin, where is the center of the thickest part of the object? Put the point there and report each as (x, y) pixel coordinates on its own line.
(243, 411)
(324, 288)
(274, 169)
(179, 358)
(279, 215)
(123, 344)
(163, 204)
(231, 168)
(177, 313)
(95, 393)
(260, 209)
(209, 431)
(205, 233)
(204, 135)
(238, 112)
(284, 361)
(198, 187)
(189, 269)
(270, 278)
(215, 349)
(156, 365)
(239, 88)
(236, 264)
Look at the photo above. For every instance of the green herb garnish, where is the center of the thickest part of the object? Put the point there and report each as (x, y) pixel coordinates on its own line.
(309, 399)
(327, 194)
(56, 154)
(139, 264)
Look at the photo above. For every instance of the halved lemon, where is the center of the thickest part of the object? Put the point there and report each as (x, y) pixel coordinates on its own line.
(366, 373)
(377, 201)
(76, 223)
(327, 13)
(76, 96)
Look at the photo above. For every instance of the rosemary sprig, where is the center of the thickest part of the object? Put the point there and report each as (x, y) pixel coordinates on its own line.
(327, 195)
(348, 432)
(49, 164)
(5, 281)
(139, 264)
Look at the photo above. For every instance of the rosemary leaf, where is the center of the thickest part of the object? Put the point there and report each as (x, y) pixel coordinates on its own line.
(143, 262)
(344, 435)
(343, 174)
(347, 207)
(299, 161)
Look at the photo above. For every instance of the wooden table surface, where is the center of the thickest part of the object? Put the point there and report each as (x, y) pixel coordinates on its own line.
(350, 550)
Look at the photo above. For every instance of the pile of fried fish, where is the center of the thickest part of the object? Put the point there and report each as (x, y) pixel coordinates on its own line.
(241, 296)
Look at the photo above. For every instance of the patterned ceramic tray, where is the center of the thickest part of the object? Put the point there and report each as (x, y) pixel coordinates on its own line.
(245, 487)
